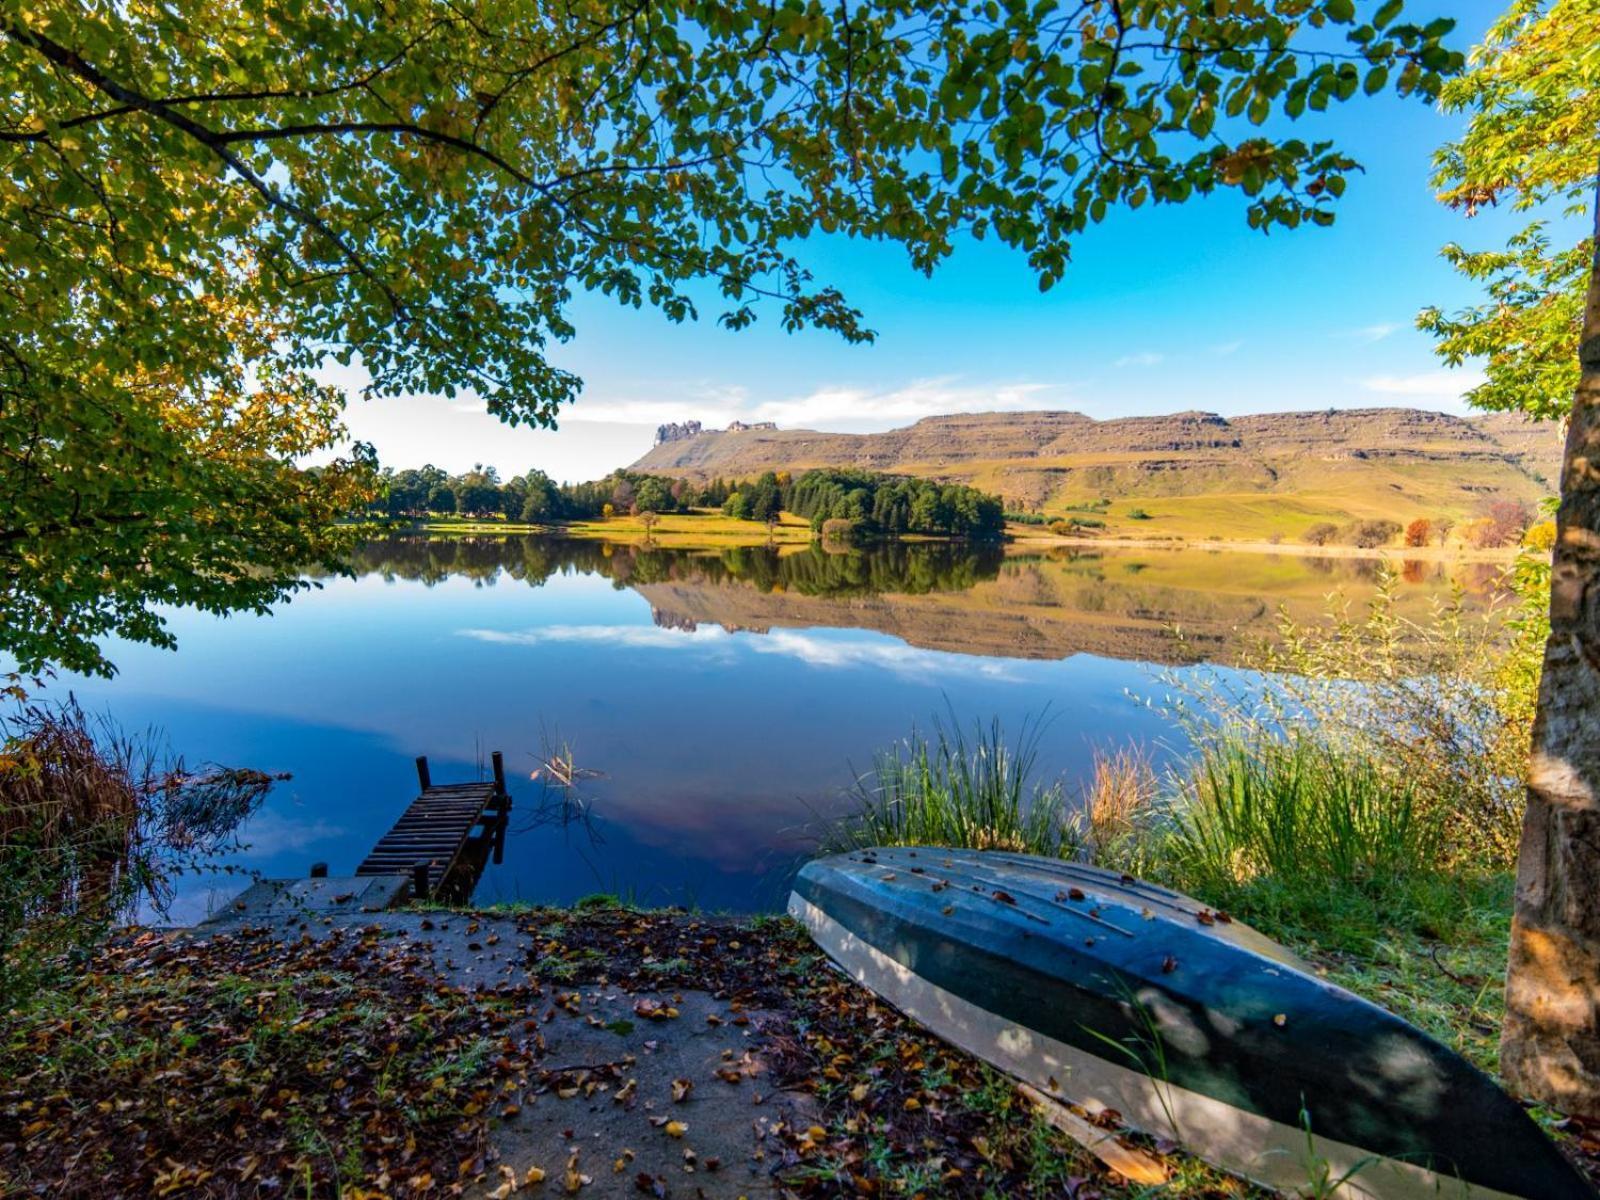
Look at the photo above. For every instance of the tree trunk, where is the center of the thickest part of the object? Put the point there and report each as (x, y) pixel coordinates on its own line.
(1550, 1045)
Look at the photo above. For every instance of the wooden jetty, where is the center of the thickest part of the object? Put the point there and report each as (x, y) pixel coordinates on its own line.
(446, 835)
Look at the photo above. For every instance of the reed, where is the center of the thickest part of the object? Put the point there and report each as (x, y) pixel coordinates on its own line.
(93, 823)
(949, 788)
(1297, 811)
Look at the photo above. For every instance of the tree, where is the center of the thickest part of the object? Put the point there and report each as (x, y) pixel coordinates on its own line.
(541, 501)
(442, 499)
(1501, 522)
(1419, 531)
(655, 495)
(1533, 138)
(425, 187)
(478, 492)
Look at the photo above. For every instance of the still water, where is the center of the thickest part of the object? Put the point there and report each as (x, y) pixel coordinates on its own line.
(724, 700)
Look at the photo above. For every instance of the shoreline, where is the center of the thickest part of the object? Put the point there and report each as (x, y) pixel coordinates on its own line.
(1503, 554)
(628, 532)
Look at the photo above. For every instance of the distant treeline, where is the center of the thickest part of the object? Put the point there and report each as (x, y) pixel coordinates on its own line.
(812, 571)
(871, 504)
(534, 497)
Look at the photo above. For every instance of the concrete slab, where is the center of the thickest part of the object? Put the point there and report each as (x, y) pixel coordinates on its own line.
(607, 1096)
(681, 1106)
(305, 899)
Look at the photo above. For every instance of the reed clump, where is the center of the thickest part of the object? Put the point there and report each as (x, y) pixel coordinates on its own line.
(973, 791)
(94, 823)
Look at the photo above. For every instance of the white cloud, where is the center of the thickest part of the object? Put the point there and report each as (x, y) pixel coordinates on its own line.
(1146, 358)
(824, 653)
(886, 656)
(1425, 385)
(1373, 333)
(1228, 347)
(829, 405)
(633, 636)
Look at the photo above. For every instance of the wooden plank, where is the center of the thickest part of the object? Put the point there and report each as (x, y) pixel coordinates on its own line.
(433, 832)
(1133, 1165)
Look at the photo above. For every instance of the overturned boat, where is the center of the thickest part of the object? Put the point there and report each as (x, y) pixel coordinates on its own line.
(1110, 993)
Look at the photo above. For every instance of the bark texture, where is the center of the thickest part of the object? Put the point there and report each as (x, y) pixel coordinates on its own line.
(1550, 1045)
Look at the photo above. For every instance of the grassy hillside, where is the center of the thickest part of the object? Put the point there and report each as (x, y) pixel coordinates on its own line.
(1193, 475)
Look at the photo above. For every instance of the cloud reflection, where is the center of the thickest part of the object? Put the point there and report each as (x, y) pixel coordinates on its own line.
(825, 653)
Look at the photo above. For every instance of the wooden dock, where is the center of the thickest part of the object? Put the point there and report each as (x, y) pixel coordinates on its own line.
(443, 840)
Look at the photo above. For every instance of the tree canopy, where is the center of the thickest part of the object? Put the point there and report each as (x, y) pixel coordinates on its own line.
(1532, 92)
(422, 189)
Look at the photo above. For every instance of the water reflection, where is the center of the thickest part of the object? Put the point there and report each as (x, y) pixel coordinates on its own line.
(1161, 606)
(721, 698)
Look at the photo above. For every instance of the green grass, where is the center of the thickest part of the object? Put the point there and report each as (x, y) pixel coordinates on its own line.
(1310, 823)
(1315, 848)
(701, 527)
(947, 790)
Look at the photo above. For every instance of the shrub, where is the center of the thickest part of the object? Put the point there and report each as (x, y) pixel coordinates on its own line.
(92, 823)
(1369, 534)
(1320, 534)
(1138, 514)
(1501, 523)
(1541, 536)
(1419, 532)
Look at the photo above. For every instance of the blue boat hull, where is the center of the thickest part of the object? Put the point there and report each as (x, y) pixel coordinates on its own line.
(1114, 994)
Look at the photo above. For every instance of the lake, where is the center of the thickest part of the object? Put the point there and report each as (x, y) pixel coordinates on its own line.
(725, 698)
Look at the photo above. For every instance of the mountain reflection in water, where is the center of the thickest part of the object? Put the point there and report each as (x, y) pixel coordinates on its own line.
(1158, 606)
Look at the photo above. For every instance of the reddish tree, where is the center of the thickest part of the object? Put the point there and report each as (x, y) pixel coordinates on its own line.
(1502, 522)
(1418, 532)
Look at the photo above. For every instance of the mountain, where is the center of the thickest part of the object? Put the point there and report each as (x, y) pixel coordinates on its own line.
(1190, 474)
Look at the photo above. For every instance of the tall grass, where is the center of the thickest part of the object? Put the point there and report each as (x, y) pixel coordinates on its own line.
(93, 822)
(949, 789)
(1298, 811)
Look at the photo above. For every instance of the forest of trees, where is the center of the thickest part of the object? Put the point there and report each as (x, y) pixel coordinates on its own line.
(874, 505)
(534, 497)
(891, 505)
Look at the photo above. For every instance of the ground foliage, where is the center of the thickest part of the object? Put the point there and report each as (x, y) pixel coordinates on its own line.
(901, 1112)
(273, 1064)
(250, 1065)
(278, 1064)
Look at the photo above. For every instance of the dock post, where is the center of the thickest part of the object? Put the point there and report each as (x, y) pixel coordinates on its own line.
(419, 881)
(499, 762)
(319, 870)
(502, 820)
(424, 779)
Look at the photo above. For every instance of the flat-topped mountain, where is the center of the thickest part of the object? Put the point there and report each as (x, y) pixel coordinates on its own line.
(1188, 473)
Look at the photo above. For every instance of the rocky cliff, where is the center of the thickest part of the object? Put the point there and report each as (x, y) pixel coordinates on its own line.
(1336, 463)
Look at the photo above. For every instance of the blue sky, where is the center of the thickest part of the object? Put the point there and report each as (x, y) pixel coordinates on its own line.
(1163, 309)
